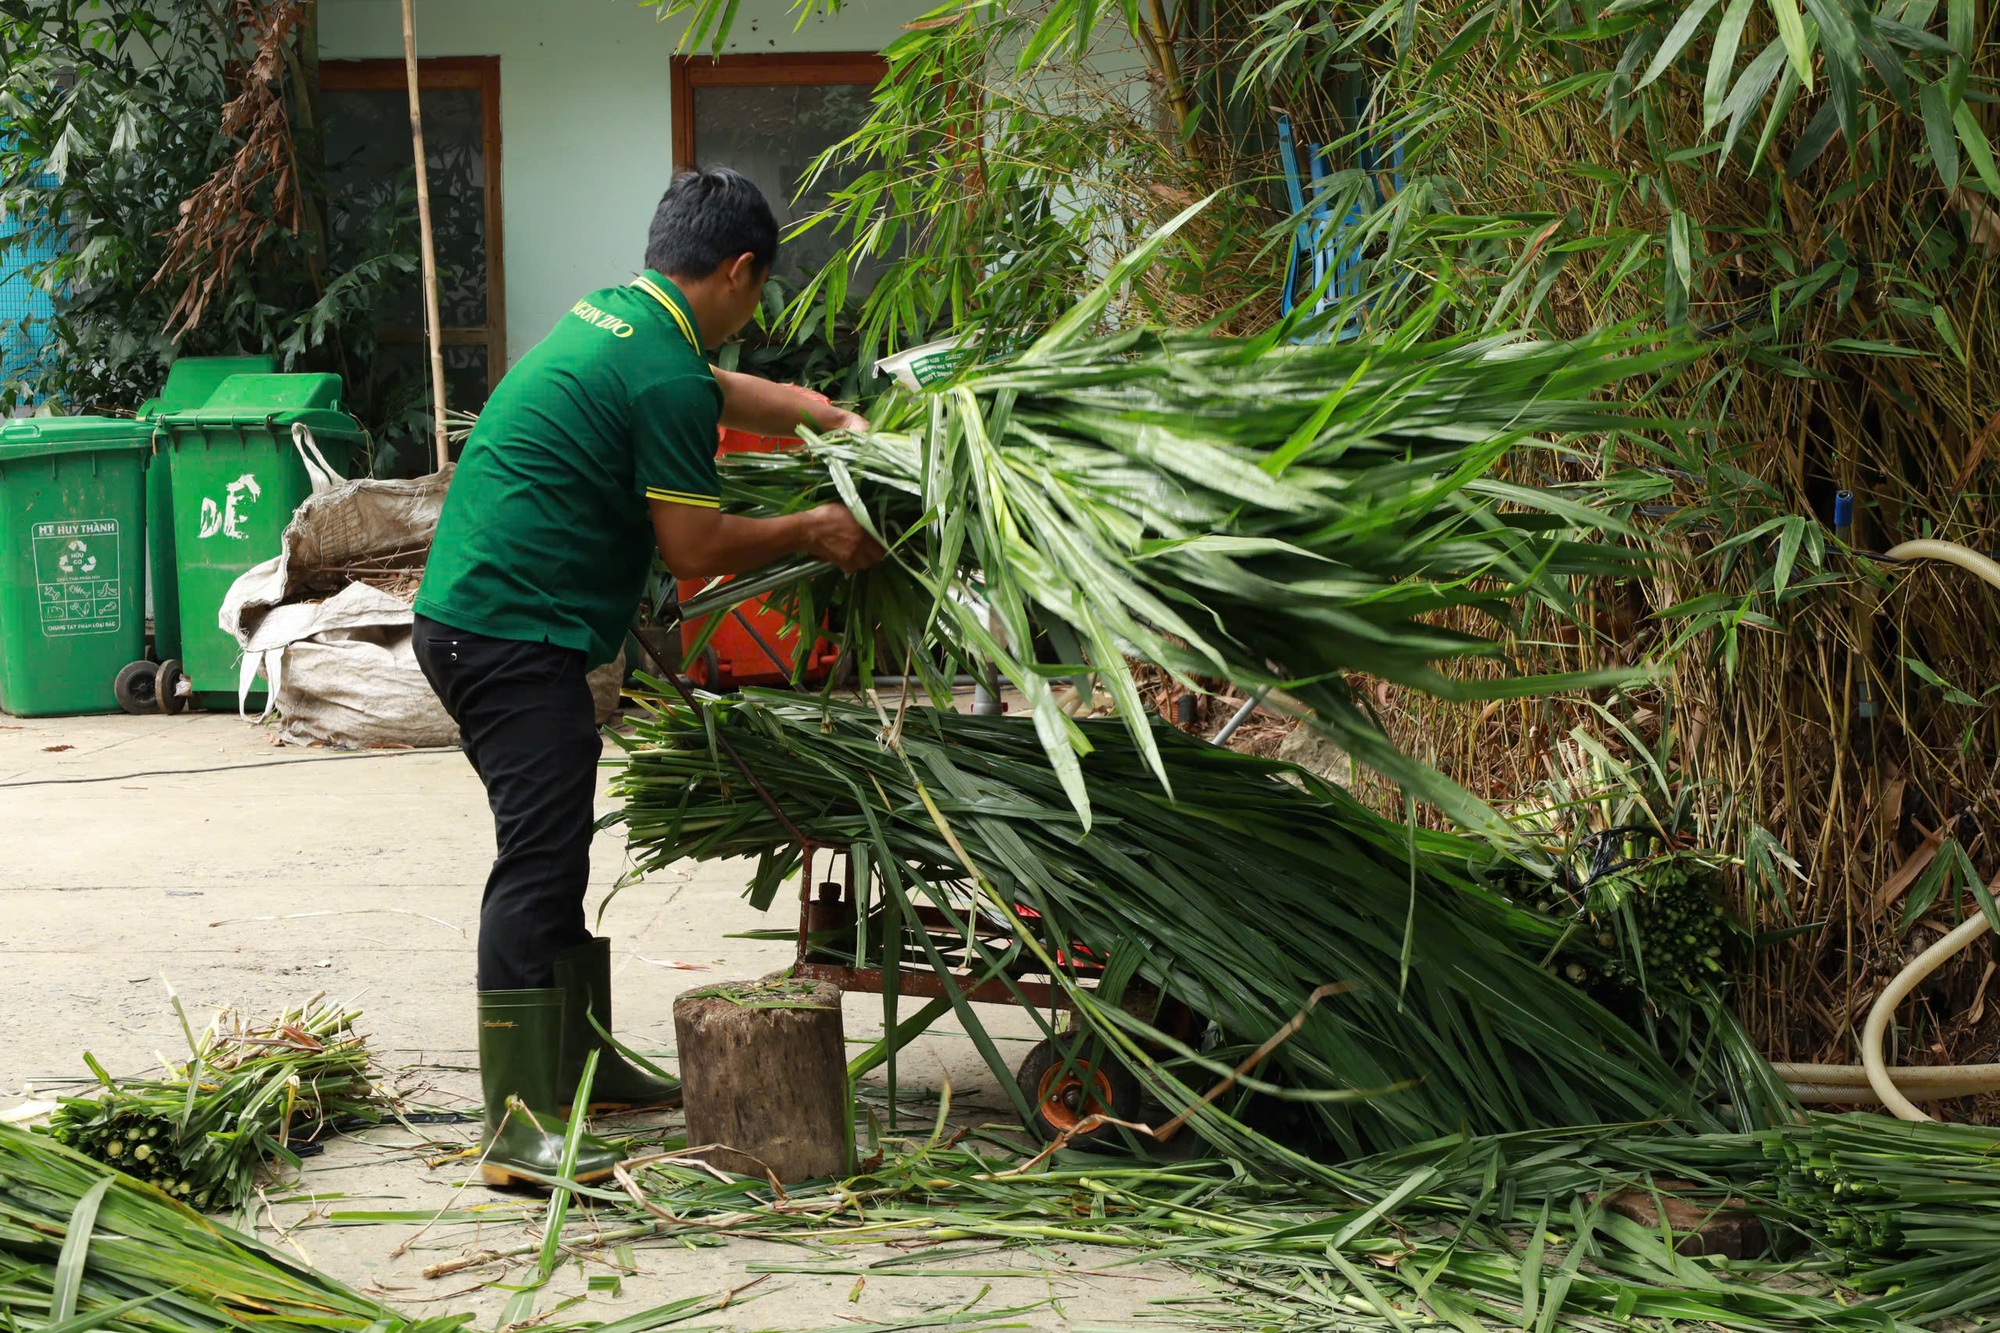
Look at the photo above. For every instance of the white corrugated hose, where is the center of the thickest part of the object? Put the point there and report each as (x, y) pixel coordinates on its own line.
(1873, 1079)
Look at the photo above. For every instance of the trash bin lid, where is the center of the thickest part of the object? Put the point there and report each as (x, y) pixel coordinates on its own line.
(268, 402)
(262, 395)
(193, 380)
(37, 437)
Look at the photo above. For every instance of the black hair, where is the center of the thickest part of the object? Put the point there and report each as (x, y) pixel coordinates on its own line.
(706, 219)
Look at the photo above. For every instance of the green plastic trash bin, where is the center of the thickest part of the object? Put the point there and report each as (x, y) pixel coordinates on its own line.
(72, 562)
(237, 478)
(191, 381)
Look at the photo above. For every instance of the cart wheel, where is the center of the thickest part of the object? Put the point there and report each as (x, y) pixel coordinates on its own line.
(137, 688)
(1066, 1083)
(168, 689)
(711, 669)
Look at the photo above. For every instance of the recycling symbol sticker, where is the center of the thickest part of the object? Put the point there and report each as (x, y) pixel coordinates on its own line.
(76, 577)
(76, 559)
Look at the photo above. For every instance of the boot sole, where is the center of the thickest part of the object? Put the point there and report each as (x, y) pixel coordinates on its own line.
(613, 1108)
(502, 1178)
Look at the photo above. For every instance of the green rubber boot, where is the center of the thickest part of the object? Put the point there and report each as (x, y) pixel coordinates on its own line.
(584, 976)
(520, 1054)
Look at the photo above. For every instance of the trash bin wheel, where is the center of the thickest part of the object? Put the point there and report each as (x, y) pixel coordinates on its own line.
(1070, 1078)
(168, 690)
(137, 688)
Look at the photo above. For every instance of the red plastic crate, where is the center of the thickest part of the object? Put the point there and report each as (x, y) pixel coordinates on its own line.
(737, 658)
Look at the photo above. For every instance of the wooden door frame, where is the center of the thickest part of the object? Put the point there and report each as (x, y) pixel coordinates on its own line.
(764, 70)
(479, 74)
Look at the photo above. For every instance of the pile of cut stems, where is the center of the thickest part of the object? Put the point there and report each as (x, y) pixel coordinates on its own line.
(212, 1130)
(84, 1246)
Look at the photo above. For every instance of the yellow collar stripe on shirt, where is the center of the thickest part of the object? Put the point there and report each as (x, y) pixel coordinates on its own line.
(680, 318)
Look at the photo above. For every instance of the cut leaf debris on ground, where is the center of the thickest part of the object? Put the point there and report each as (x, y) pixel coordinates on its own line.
(213, 1129)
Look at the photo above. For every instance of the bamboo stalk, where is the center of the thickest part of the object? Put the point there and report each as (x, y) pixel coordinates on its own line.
(433, 326)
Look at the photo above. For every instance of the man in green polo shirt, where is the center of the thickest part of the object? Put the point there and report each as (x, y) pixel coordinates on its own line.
(596, 451)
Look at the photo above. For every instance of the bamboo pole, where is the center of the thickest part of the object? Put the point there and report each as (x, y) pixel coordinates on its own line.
(432, 323)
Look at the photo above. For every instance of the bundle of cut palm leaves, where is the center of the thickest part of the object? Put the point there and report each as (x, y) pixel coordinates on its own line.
(1248, 888)
(86, 1247)
(1912, 1209)
(1281, 516)
(210, 1131)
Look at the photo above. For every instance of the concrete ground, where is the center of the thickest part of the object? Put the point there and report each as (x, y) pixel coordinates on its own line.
(142, 852)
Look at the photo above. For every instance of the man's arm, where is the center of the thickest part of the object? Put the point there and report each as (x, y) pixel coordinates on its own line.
(763, 408)
(702, 543)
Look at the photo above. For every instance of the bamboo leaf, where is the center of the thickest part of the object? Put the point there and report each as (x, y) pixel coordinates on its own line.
(1679, 248)
(1789, 540)
(1792, 32)
(1723, 61)
(1977, 150)
(1942, 322)
(1677, 39)
(1960, 18)
(1940, 133)
(1749, 90)
(75, 1251)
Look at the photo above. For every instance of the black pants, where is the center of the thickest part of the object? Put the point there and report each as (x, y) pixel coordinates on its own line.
(529, 727)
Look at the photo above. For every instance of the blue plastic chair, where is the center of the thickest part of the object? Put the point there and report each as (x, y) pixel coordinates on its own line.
(1318, 239)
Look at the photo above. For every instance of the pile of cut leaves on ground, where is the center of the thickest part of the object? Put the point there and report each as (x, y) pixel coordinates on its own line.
(86, 1247)
(83, 1246)
(210, 1131)
(1869, 1223)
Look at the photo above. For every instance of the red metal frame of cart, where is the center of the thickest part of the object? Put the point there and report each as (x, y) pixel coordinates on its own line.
(1067, 1093)
(916, 981)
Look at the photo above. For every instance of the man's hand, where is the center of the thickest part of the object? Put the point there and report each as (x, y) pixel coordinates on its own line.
(701, 543)
(839, 418)
(835, 536)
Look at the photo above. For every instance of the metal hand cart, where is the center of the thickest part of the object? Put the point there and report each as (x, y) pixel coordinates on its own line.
(1063, 1079)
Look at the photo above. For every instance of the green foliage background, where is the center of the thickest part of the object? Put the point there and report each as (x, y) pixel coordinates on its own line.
(1806, 191)
(111, 111)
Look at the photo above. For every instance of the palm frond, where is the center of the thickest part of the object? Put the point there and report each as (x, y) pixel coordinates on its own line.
(1238, 897)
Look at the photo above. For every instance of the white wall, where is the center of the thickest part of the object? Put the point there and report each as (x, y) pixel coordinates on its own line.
(585, 111)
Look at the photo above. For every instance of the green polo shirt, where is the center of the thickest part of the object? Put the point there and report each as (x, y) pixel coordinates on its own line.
(546, 534)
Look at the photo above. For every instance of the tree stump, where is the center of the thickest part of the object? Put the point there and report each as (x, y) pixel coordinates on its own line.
(764, 1075)
(1729, 1229)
